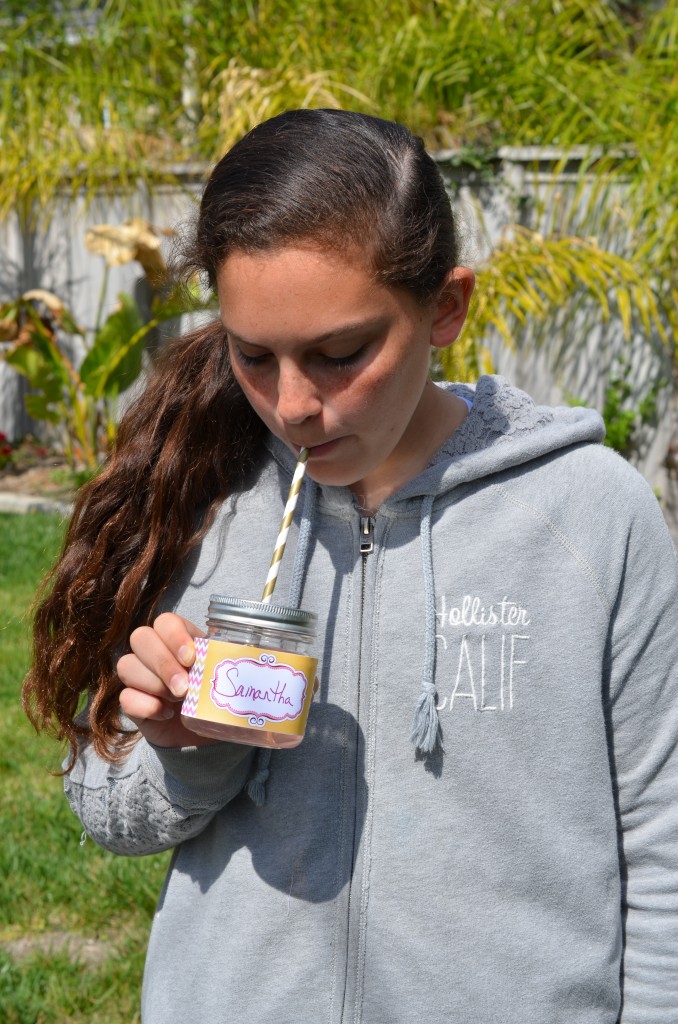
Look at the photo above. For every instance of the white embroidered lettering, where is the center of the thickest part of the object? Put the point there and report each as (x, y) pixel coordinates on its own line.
(464, 656)
(488, 659)
(472, 612)
(483, 705)
(512, 614)
(514, 661)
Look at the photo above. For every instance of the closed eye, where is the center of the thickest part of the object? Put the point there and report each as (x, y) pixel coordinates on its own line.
(249, 360)
(339, 361)
(332, 362)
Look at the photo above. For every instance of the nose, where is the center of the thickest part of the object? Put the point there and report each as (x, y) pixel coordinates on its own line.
(298, 396)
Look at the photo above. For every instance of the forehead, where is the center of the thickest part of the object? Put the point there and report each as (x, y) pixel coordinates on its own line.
(299, 262)
(302, 292)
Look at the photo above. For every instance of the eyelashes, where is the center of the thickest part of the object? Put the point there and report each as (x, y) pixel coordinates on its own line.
(331, 362)
(248, 360)
(349, 360)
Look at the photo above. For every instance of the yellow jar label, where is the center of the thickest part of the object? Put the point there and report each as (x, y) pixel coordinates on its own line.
(239, 684)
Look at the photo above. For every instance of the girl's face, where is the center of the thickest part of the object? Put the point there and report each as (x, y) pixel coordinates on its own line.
(334, 362)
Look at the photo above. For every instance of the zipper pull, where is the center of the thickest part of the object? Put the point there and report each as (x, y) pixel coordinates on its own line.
(366, 535)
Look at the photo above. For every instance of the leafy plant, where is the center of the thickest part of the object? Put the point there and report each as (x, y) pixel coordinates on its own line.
(624, 416)
(80, 401)
(33, 322)
(624, 412)
(528, 276)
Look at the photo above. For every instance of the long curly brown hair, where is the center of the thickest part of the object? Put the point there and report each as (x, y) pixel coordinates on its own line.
(132, 528)
(334, 177)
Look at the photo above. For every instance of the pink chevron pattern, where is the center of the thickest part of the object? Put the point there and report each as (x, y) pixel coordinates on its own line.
(190, 705)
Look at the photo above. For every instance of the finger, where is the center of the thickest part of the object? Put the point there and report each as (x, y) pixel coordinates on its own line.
(140, 706)
(133, 673)
(178, 635)
(154, 654)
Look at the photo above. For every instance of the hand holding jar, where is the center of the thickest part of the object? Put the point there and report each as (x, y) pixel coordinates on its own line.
(155, 680)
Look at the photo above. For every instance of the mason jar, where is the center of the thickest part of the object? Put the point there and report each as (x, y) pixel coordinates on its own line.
(253, 678)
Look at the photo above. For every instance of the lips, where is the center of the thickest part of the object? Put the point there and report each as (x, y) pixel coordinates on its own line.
(317, 450)
(324, 449)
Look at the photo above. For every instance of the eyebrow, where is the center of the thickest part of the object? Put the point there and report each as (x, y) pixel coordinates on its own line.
(345, 331)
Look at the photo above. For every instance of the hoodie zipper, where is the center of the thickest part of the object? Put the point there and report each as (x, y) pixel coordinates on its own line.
(366, 547)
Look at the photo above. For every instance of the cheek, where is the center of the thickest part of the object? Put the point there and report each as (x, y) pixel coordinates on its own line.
(257, 392)
(384, 393)
(358, 397)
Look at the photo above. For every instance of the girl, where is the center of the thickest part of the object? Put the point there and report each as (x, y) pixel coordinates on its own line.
(480, 824)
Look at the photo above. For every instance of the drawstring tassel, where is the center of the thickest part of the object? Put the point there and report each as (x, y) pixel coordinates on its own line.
(426, 730)
(256, 786)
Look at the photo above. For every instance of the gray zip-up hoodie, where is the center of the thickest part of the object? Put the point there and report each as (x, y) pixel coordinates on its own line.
(519, 600)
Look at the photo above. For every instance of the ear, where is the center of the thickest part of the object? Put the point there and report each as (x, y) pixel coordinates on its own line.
(452, 306)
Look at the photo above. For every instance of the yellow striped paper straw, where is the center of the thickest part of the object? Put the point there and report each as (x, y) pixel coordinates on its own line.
(288, 515)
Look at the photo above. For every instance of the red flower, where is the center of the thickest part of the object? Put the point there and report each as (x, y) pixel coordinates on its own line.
(3, 437)
(5, 450)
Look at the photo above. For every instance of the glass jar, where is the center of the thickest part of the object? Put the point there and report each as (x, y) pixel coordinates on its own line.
(252, 680)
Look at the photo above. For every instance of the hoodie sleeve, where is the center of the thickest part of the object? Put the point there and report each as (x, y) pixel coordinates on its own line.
(643, 696)
(158, 797)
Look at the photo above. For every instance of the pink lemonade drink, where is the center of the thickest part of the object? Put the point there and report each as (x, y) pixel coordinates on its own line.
(252, 680)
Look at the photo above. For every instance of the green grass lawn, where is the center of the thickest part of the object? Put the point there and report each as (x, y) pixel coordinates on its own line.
(53, 890)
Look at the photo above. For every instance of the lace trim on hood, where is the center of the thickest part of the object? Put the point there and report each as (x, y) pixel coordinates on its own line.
(499, 413)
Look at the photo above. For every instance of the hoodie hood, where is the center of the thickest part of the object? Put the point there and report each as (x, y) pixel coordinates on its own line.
(504, 428)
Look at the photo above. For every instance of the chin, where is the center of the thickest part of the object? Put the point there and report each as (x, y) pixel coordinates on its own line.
(332, 476)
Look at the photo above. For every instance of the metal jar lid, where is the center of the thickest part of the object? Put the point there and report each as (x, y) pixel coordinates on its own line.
(240, 612)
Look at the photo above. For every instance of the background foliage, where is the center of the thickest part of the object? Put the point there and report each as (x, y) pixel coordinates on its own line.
(166, 79)
(100, 95)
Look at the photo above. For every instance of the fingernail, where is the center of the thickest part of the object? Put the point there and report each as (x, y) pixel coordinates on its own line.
(187, 655)
(178, 684)
(166, 713)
